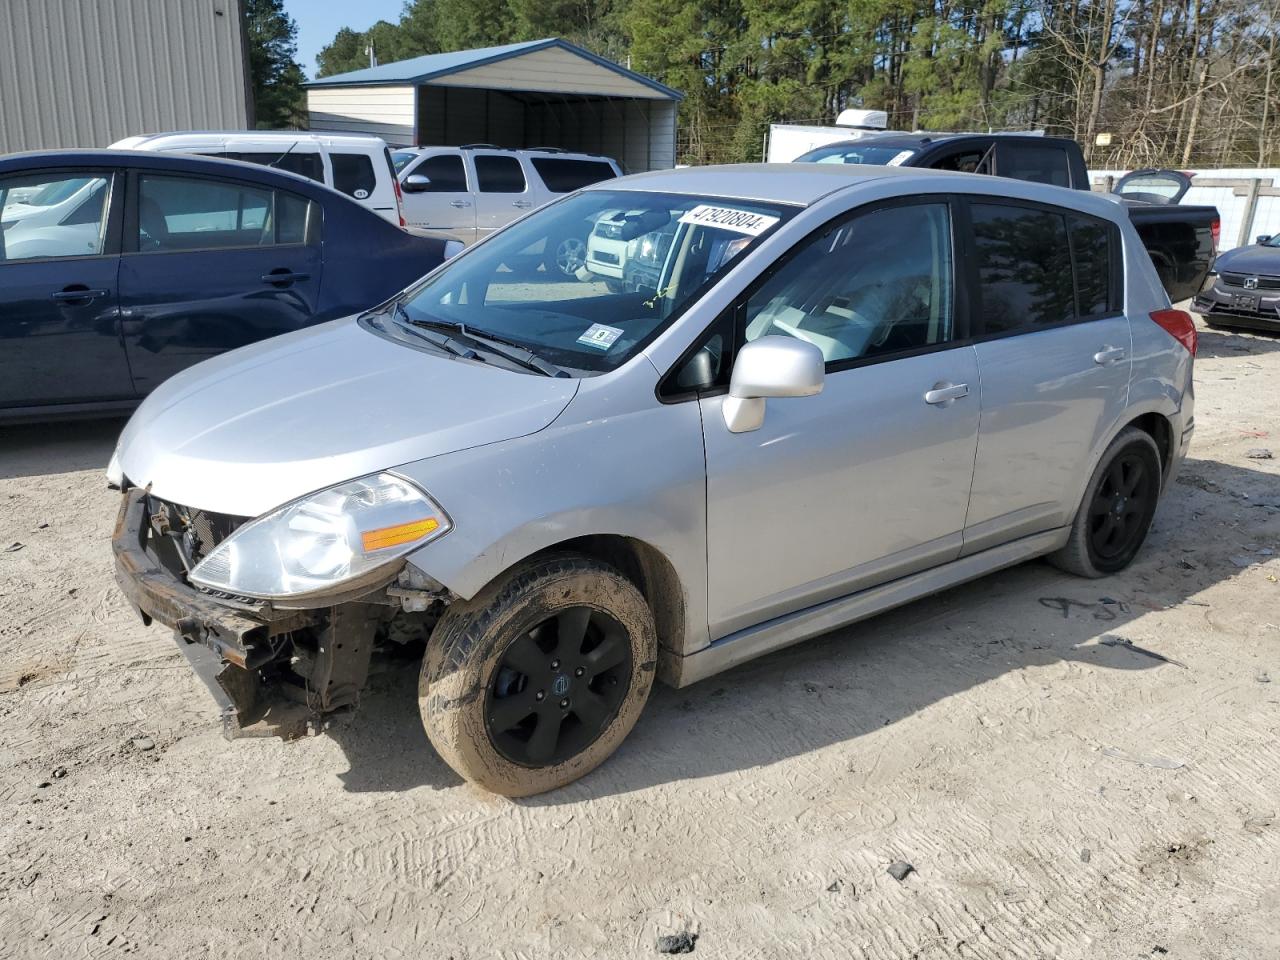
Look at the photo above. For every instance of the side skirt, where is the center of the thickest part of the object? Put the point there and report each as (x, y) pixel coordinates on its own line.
(811, 622)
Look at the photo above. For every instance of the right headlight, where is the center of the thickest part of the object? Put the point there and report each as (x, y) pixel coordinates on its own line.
(324, 539)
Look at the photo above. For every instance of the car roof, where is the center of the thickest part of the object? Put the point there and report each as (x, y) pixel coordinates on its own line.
(282, 136)
(540, 151)
(170, 162)
(798, 184)
(915, 141)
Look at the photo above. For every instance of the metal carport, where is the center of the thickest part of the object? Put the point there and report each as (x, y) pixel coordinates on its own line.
(542, 93)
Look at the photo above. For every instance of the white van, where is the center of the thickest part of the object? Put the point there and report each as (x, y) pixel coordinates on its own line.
(466, 193)
(354, 164)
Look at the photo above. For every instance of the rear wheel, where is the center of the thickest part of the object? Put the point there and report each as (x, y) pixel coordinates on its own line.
(566, 257)
(1117, 509)
(538, 678)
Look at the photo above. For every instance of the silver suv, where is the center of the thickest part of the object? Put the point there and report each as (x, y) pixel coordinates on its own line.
(843, 389)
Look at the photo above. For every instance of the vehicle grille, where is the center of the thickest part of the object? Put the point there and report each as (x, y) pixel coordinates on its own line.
(1238, 279)
(194, 532)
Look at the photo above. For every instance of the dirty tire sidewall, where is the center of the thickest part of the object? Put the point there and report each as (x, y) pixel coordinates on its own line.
(470, 640)
(1077, 556)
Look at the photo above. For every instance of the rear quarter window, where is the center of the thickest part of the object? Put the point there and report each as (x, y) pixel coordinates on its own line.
(1095, 246)
(353, 174)
(564, 176)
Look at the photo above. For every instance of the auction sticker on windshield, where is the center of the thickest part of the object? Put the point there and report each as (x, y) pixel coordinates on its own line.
(728, 218)
(599, 336)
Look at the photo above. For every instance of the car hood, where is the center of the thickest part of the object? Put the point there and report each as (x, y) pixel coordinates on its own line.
(1253, 259)
(255, 428)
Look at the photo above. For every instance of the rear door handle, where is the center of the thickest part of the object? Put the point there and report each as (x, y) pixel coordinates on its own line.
(1108, 355)
(284, 277)
(459, 203)
(522, 204)
(83, 294)
(944, 393)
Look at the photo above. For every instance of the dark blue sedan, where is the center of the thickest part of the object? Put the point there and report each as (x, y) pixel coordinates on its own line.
(119, 269)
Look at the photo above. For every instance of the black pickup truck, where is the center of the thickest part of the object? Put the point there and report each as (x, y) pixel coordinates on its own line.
(1182, 240)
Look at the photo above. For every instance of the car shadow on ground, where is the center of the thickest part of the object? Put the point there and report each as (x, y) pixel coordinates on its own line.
(1233, 343)
(41, 449)
(881, 671)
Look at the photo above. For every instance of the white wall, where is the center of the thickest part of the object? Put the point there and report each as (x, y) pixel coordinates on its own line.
(385, 112)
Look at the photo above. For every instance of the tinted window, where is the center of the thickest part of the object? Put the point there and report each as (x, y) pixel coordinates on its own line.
(879, 283)
(1024, 266)
(563, 176)
(353, 174)
(1091, 251)
(176, 213)
(867, 153)
(52, 215)
(964, 161)
(1035, 163)
(446, 173)
(499, 174)
(304, 164)
(402, 158)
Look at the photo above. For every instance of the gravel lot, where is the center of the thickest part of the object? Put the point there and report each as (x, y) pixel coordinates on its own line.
(1060, 788)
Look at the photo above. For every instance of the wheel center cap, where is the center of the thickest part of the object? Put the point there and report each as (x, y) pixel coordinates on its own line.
(560, 685)
(1119, 507)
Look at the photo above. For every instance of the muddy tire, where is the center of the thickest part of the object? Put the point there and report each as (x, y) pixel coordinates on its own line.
(536, 680)
(1117, 508)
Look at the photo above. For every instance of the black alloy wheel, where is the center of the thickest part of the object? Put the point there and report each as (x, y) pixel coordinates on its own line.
(558, 686)
(1122, 506)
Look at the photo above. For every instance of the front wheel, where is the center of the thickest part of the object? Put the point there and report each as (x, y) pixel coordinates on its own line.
(537, 679)
(1117, 509)
(566, 257)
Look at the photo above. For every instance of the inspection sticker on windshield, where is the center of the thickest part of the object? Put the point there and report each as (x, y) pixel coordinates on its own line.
(899, 158)
(600, 336)
(727, 218)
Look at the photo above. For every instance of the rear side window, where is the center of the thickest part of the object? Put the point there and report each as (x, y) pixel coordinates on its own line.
(179, 213)
(499, 174)
(1092, 245)
(353, 174)
(1024, 266)
(563, 176)
(1038, 164)
(304, 164)
(446, 173)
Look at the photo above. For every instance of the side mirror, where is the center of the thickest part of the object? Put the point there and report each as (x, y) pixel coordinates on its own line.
(772, 366)
(415, 183)
(1263, 238)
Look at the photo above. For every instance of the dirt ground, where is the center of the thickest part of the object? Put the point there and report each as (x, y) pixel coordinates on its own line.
(1060, 789)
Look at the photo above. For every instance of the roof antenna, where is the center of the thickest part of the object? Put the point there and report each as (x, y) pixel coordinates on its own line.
(276, 161)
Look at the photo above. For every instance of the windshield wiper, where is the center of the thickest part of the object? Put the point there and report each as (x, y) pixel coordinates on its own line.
(507, 349)
(446, 343)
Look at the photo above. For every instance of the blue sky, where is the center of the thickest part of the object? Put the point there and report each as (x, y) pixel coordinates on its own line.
(319, 20)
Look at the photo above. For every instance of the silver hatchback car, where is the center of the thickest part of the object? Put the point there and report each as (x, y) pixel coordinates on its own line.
(824, 392)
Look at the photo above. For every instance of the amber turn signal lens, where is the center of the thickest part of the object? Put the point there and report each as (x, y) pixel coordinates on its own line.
(399, 534)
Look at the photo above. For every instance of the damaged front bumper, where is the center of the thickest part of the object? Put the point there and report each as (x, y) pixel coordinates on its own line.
(272, 672)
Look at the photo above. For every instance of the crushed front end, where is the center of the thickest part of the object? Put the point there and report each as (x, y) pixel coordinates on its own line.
(273, 671)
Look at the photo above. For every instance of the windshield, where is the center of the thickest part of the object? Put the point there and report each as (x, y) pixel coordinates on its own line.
(586, 282)
(402, 158)
(858, 153)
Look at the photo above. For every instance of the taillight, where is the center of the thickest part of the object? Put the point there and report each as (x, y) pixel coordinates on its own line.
(1179, 325)
(400, 206)
(1216, 229)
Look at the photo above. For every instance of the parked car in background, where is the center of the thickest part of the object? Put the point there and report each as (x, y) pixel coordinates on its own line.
(465, 193)
(1182, 240)
(355, 164)
(157, 261)
(1244, 288)
(845, 389)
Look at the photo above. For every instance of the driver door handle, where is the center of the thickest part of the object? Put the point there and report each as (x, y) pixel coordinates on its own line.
(459, 203)
(944, 393)
(284, 277)
(522, 204)
(73, 295)
(1108, 355)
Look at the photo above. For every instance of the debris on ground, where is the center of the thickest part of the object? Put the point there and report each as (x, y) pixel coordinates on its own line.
(143, 743)
(1242, 561)
(1263, 677)
(14, 547)
(835, 886)
(59, 772)
(1086, 855)
(1162, 763)
(1259, 453)
(899, 870)
(1109, 640)
(681, 942)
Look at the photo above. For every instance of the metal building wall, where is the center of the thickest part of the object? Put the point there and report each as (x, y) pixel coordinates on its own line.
(85, 73)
